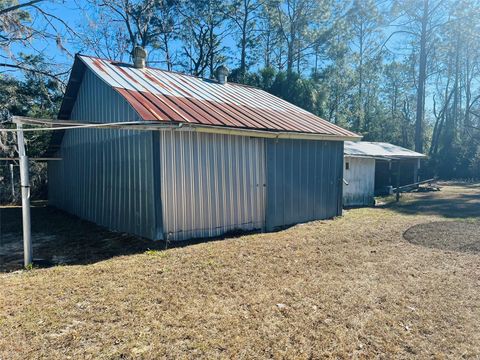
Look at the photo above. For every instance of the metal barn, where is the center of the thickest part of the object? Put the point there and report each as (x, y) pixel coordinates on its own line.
(371, 167)
(195, 158)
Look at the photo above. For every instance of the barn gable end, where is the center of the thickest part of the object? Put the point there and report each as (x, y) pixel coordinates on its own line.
(106, 176)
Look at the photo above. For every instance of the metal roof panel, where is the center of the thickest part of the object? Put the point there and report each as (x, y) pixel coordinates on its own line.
(379, 150)
(170, 96)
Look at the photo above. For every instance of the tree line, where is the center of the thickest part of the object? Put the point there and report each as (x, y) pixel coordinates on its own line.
(406, 72)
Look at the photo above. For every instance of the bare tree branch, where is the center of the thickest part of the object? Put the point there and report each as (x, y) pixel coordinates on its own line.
(57, 76)
(19, 6)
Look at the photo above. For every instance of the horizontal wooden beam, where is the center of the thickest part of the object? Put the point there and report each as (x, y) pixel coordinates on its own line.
(406, 187)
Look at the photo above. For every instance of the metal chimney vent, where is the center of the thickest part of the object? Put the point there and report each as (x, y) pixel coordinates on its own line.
(139, 57)
(222, 73)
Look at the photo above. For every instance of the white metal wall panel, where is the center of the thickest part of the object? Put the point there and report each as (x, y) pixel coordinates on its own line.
(360, 177)
(211, 184)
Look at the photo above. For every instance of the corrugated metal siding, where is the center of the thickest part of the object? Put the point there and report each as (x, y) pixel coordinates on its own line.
(304, 181)
(55, 186)
(361, 181)
(211, 184)
(106, 176)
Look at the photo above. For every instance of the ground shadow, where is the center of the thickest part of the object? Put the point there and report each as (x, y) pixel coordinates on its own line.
(462, 236)
(455, 202)
(59, 238)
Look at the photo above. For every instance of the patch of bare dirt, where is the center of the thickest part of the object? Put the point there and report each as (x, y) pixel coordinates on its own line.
(446, 235)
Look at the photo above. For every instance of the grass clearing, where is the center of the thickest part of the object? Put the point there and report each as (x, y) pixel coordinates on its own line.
(343, 288)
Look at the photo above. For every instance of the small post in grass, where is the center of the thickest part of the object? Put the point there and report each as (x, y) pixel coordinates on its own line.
(25, 186)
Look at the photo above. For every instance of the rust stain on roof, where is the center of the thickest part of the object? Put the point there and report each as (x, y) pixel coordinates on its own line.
(128, 75)
(99, 65)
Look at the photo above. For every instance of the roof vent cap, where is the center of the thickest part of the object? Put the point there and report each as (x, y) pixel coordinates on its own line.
(139, 56)
(222, 73)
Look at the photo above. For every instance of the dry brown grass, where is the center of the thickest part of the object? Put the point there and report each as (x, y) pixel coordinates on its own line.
(351, 288)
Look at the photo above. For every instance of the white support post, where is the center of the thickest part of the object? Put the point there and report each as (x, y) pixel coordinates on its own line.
(12, 182)
(25, 185)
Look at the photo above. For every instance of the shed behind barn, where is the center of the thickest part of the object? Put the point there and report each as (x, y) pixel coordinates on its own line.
(370, 168)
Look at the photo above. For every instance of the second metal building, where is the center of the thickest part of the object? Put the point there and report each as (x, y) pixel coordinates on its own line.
(371, 168)
(202, 158)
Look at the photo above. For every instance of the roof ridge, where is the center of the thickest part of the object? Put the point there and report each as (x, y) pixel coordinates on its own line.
(117, 62)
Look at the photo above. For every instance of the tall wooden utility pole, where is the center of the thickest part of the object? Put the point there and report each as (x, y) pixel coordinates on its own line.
(25, 185)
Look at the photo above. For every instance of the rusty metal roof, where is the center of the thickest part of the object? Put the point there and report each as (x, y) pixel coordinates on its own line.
(160, 95)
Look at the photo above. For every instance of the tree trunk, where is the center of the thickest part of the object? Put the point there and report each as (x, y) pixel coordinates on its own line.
(243, 54)
(359, 122)
(267, 51)
(468, 91)
(422, 78)
(168, 58)
(290, 49)
(243, 59)
(456, 97)
(406, 116)
(211, 59)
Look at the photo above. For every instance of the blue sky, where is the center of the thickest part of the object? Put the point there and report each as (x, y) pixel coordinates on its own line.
(68, 11)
